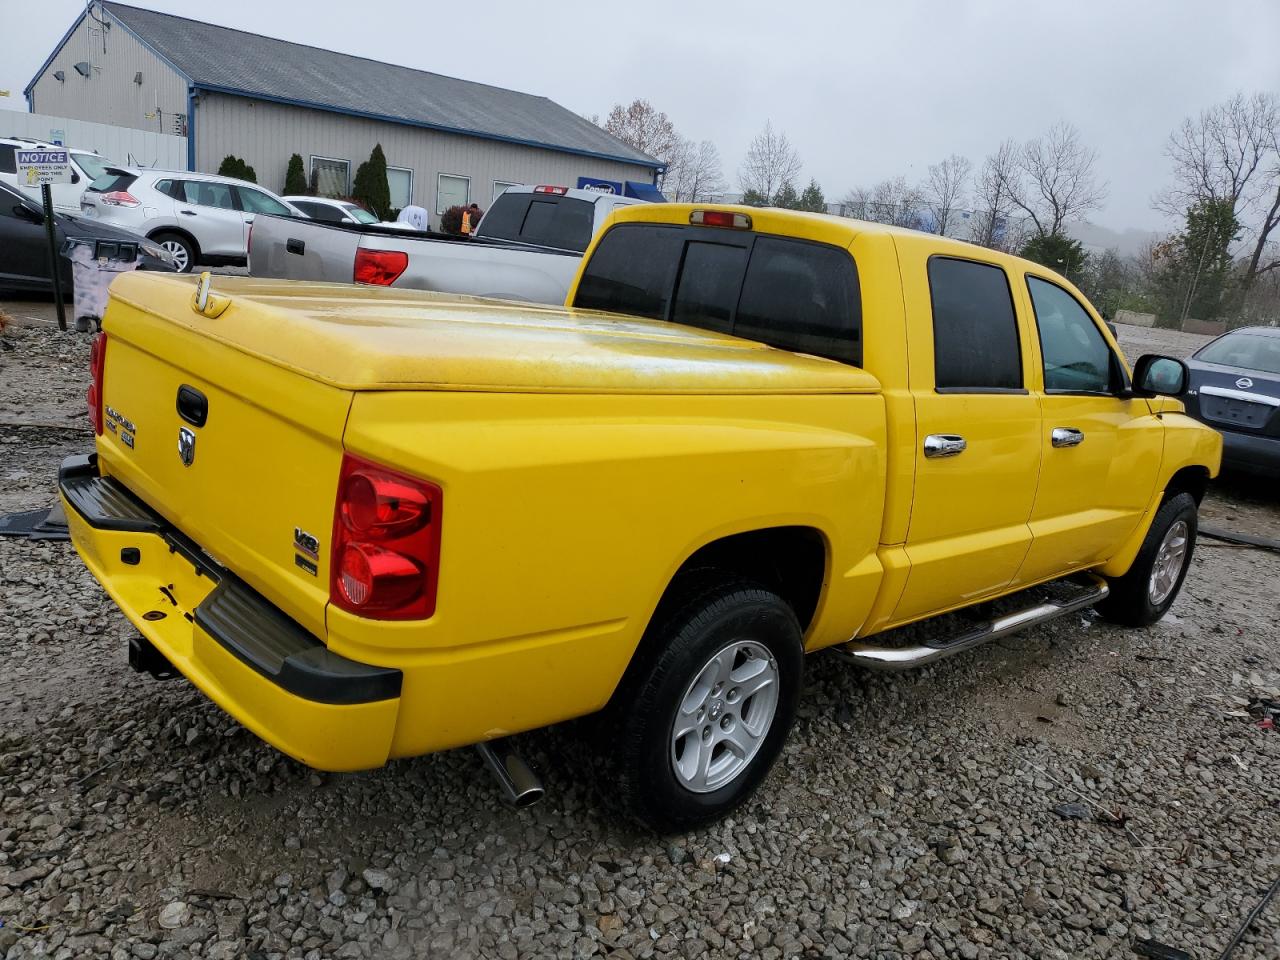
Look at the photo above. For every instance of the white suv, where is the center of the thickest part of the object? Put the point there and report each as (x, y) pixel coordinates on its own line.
(85, 168)
(200, 218)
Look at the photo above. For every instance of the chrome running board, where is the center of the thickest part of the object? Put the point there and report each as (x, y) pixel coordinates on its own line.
(904, 658)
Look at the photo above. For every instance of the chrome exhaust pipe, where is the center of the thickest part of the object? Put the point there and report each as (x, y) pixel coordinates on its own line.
(520, 785)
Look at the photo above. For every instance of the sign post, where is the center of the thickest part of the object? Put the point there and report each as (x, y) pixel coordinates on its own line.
(43, 168)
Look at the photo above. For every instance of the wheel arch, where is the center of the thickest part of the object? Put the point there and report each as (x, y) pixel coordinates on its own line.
(1192, 479)
(790, 560)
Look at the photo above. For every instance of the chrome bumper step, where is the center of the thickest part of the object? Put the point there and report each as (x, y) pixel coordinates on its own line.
(879, 657)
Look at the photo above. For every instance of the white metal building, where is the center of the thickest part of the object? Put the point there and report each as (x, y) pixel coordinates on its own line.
(227, 91)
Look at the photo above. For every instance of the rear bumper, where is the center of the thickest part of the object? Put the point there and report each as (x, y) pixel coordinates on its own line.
(327, 711)
(1252, 454)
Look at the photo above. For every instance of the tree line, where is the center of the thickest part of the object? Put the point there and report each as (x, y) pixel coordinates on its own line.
(1223, 261)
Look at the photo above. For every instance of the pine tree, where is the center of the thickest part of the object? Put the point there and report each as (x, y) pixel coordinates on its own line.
(295, 179)
(786, 197)
(812, 198)
(371, 187)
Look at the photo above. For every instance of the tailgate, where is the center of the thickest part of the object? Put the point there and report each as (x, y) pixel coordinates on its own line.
(240, 454)
(297, 249)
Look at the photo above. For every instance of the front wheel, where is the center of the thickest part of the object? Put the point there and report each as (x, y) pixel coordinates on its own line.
(1145, 594)
(705, 715)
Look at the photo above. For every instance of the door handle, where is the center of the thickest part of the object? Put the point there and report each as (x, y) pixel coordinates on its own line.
(1066, 437)
(187, 213)
(938, 445)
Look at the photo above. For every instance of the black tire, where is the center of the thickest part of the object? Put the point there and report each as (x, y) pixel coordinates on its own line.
(189, 251)
(1130, 602)
(684, 636)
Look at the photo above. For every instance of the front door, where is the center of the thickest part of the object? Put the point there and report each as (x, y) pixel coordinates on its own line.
(1101, 451)
(978, 447)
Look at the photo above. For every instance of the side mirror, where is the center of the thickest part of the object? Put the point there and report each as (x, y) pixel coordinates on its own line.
(1112, 327)
(1157, 376)
(75, 177)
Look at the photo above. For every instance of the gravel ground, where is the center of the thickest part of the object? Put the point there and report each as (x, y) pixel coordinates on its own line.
(919, 815)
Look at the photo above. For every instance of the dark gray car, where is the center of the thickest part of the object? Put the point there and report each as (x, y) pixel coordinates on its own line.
(1235, 388)
(24, 246)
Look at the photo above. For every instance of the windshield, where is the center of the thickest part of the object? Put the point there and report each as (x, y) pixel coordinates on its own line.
(93, 165)
(1253, 351)
(360, 214)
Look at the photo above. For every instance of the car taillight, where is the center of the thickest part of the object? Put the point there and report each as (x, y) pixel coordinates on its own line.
(119, 198)
(720, 218)
(97, 369)
(380, 267)
(559, 191)
(386, 543)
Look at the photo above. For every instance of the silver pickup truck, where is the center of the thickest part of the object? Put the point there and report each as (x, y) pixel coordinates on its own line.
(527, 247)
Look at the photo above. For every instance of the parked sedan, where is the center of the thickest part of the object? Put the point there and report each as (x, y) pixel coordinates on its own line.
(1235, 388)
(330, 210)
(24, 245)
(199, 218)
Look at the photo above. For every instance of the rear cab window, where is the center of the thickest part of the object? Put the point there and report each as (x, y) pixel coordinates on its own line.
(792, 294)
(545, 219)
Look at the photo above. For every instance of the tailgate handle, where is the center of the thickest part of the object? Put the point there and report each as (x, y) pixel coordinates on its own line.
(193, 407)
(295, 246)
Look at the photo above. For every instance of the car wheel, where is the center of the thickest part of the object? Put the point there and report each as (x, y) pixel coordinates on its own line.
(702, 718)
(178, 247)
(1145, 594)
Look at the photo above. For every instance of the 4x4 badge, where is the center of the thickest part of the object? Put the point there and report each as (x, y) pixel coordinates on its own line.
(186, 446)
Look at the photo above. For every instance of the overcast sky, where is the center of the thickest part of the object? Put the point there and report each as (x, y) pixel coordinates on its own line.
(864, 91)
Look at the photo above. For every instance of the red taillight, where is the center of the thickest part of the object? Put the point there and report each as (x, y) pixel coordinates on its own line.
(119, 198)
(720, 218)
(560, 191)
(97, 369)
(386, 543)
(380, 267)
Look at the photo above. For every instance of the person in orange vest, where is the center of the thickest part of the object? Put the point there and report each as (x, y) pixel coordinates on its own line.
(471, 219)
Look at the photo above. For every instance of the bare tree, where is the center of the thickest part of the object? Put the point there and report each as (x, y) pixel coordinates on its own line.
(1231, 152)
(1053, 181)
(771, 161)
(644, 127)
(993, 201)
(695, 173)
(892, 201)
(944, 190)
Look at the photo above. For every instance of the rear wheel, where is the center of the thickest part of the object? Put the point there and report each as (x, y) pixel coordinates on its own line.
(180, 248)
(702, 719)
(1145, 594)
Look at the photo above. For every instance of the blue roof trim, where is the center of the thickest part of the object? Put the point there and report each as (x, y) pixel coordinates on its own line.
(56, 50)
(249, 94)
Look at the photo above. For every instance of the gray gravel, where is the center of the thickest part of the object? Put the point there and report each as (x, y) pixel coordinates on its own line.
(1054, 796)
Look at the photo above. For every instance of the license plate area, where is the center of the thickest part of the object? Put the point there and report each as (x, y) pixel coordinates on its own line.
(1237, 413)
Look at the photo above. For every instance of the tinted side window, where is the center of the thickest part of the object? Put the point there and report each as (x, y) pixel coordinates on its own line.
(631, 270)
(709, 284)
(1076, 357)
(8, 163)
(802, 297)
(561, 222)
(975, 329)
(207, 194)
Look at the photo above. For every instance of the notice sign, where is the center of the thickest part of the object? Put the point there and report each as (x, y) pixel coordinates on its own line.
(38, 167)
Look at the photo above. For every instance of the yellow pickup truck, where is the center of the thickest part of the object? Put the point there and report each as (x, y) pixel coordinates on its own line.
(375, 523)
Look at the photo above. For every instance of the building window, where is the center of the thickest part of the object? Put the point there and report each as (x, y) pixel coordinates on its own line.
(330, 177)
(500, 185)
(400, 183)
(452, 191)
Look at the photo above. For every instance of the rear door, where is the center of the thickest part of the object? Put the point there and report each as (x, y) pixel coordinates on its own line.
(210, 212)
(977, 430)
(25, 246)
(1101, 451)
